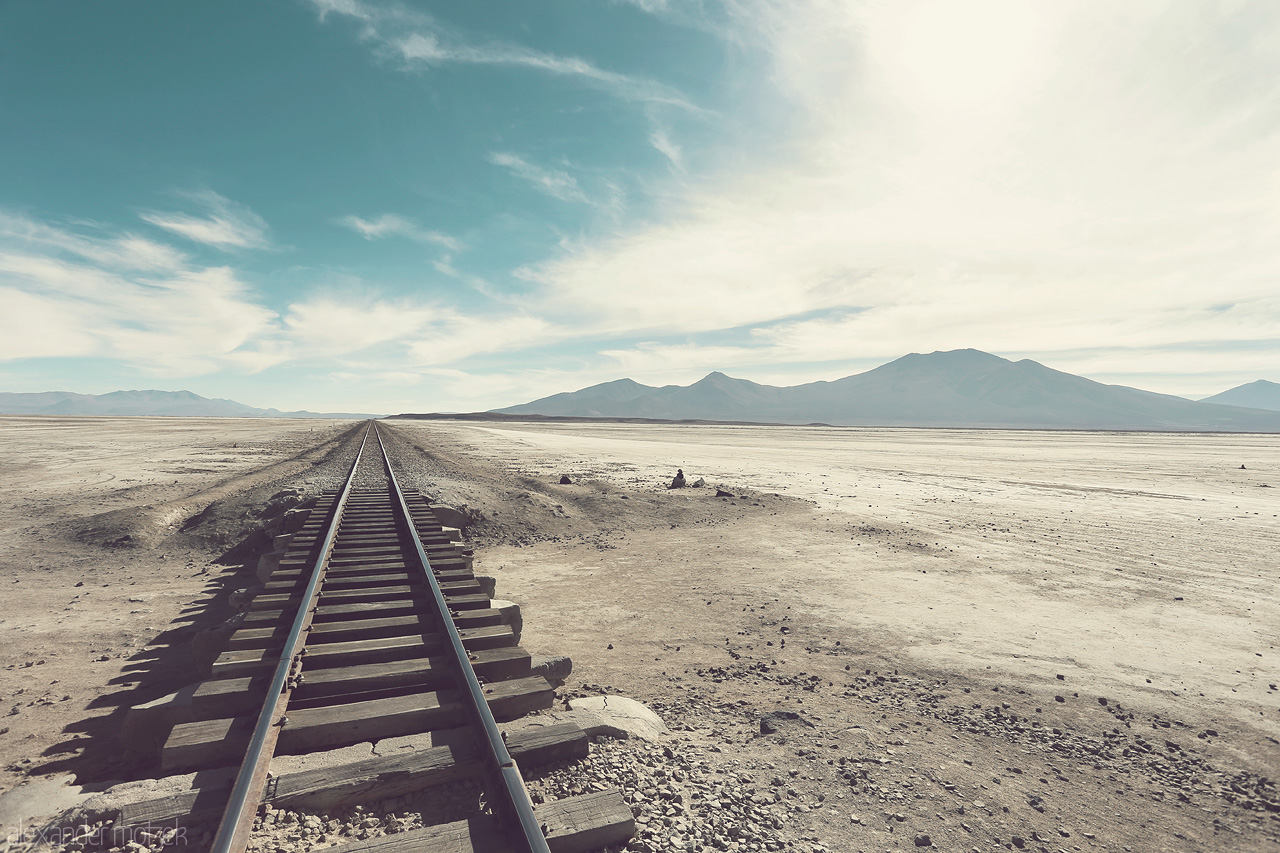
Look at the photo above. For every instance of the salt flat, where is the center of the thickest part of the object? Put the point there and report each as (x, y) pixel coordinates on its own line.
(1141, 564)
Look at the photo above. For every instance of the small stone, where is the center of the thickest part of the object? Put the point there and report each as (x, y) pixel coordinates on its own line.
(923, 840)
(565, 481)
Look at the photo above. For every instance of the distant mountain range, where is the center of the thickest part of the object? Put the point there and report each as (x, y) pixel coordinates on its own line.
(147, 403)
(1255, 395)
(960, 388)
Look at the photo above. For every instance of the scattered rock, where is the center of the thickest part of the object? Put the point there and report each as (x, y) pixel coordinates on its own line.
(565, 481)
(923, 840)
(721, 493)
(677, 482)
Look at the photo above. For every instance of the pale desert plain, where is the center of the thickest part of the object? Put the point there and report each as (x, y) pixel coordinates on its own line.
(889, 638)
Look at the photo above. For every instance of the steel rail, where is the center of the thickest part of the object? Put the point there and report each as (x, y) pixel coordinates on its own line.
(516, 801)
(246, 794)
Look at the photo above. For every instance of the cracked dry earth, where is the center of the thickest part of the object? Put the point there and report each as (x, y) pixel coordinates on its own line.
(884, 640)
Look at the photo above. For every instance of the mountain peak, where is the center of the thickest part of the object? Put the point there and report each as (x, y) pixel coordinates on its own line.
(952, 388)
(1259, 394)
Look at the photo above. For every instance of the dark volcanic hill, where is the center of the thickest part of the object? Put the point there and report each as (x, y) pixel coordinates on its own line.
(145, 403)
(960, 388)
(1254, 395)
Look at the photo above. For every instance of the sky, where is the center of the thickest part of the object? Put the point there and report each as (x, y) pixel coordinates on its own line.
(359, 205)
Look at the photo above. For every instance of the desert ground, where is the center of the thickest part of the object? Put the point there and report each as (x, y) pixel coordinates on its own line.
(874, 639)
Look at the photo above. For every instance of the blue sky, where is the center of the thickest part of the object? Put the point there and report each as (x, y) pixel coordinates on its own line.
(376, 206)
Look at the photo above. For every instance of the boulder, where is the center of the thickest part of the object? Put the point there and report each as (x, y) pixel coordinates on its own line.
(631, 718)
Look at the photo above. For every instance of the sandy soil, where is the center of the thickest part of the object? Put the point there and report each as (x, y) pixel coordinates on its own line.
(102, 589)
(916, 601)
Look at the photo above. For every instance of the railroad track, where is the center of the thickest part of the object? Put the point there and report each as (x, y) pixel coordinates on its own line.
(373, 626)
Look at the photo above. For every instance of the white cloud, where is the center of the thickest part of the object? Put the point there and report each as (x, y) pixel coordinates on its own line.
(37, 325)
(68, 294)
(1011, 176)
(419, 40)
(390, 224)
(461, 336)
(679, 363)
(224, 223)
(332, 326)
(552, 182)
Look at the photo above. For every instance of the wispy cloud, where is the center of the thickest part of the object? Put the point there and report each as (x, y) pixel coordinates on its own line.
(553, 182)
(222, 223)
(336, 326)
(711, 16)
(420, 40)
(661, 140)
(70, 294)
(392, 225)
(462, 336)
(117, 251)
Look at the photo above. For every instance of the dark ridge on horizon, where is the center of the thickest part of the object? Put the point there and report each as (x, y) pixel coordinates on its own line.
(964, 388)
